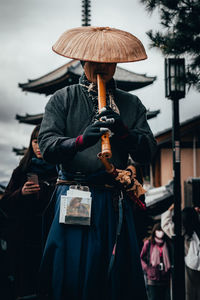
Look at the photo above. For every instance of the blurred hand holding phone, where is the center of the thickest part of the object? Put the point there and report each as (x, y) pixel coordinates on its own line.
(31, 186)
(32, 177)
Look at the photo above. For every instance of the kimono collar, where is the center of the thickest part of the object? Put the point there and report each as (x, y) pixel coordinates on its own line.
(90, 90)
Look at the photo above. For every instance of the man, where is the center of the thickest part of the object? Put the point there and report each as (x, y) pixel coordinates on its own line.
(78, 263)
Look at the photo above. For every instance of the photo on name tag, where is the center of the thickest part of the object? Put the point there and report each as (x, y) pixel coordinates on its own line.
(78, 210)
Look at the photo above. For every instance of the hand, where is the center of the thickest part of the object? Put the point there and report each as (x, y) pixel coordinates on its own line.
(171, 207)
(113, 121)
(92, 134)
(197, 208)
(30, 188)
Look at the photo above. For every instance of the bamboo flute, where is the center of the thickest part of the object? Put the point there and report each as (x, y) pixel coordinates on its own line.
(105, 142)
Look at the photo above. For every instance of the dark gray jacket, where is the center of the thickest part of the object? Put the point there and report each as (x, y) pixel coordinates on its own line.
(67, 114)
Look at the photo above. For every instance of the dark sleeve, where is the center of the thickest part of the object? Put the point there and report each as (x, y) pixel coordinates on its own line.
(12, 200)
(140, 141)
(54, 145)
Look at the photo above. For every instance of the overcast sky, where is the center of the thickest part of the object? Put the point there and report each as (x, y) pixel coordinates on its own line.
(29, 28)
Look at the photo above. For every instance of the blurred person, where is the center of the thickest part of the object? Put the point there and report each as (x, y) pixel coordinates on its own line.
(155, 258)
(191, 229)
(191, 233)
(24, 202)
(167, 223)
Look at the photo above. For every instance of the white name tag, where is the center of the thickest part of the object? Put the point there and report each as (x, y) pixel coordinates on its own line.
(75, 207)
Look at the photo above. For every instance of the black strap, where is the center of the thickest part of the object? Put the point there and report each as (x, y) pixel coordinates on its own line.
(118, 231)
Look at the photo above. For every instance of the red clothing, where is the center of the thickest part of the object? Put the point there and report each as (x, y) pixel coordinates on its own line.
(153, 272)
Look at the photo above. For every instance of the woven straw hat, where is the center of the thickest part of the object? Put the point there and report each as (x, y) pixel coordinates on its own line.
(100, 44)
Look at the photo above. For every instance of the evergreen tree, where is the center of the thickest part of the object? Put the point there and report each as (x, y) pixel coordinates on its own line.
(181, 36)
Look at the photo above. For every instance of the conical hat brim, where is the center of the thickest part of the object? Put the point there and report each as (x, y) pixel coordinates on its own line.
(100, 44)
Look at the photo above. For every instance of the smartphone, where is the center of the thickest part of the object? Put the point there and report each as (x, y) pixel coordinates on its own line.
(32, 177)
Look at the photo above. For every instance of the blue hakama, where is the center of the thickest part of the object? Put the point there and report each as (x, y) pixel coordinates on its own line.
(76, 258)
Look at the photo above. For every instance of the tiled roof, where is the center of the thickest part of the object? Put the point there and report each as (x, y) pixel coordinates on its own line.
(69, 74)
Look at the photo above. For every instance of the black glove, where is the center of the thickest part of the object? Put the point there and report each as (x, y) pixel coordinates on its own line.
(91, 135)
(113, 121)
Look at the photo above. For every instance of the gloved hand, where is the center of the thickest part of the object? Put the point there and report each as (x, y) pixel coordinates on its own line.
(91, 135)
(113, 121)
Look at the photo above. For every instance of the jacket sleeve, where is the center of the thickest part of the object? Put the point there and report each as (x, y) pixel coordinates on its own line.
(12, 200)
(167, 224)
(54, 145)
(140, 141)
(143, 255)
